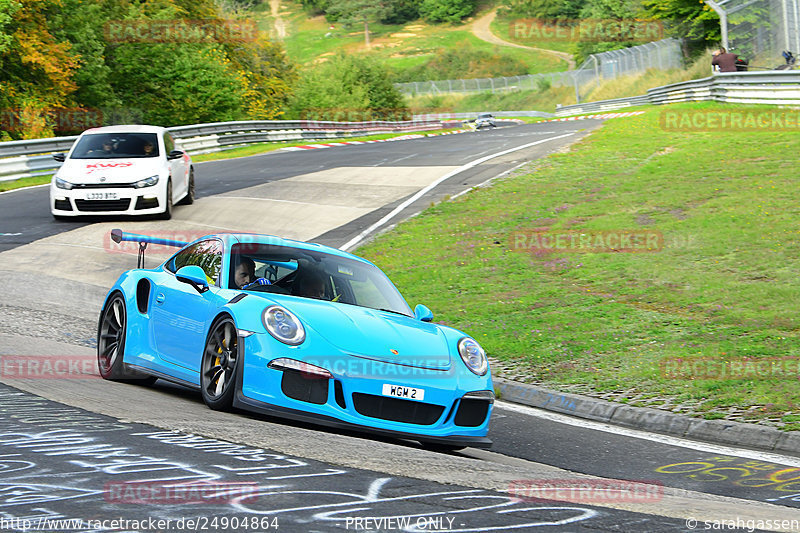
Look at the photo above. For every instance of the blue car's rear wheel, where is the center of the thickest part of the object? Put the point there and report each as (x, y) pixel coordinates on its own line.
(111, 343)
(218, 369)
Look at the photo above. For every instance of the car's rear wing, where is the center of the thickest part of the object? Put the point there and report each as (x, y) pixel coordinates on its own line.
(117, 235)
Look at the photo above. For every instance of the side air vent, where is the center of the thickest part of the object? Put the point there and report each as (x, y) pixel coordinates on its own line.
(143, 295)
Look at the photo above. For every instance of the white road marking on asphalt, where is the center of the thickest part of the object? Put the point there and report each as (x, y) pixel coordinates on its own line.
(478, 186)
(358, 238)
(387, 162)
(263, 199)
(717, 449)
(9, 234)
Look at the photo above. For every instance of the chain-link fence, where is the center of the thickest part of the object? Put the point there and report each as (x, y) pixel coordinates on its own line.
(760, 30)
(663, 54)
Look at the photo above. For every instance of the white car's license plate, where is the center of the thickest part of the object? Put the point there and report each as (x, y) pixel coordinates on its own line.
(101, 196)
(398, 391)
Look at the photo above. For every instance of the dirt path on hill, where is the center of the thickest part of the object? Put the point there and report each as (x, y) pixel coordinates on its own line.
(280, 25)
(481, 30)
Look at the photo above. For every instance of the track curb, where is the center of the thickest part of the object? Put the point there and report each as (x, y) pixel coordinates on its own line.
(648, 419)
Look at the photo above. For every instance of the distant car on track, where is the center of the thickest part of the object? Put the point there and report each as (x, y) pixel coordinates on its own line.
(485, 120)
(122, 170)
(297, 330)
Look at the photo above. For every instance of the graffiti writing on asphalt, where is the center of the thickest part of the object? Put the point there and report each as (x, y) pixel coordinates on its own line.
(52, 457)
(741, 472)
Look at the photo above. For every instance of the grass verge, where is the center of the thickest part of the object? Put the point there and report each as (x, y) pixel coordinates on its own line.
(24, 182)
(723, 289)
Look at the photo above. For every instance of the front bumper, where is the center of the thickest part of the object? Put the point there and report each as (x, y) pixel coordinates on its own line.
(107, 201)
(455, 412)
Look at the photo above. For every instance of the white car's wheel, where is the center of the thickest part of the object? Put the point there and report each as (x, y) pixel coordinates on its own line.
(167, 214)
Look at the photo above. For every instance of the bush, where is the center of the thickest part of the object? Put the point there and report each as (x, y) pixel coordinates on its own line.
(348, 88)
(464, 62)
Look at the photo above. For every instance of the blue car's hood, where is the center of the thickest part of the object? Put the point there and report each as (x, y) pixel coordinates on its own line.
(371, 333)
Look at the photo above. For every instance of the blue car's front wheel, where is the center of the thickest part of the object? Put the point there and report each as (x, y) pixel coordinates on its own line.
(219, 365)
(111, 332)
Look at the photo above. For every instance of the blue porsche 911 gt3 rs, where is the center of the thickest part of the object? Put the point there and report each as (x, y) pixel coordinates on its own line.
(298, 330)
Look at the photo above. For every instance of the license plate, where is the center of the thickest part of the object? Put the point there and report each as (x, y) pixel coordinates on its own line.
(101, 196)
(399, 391)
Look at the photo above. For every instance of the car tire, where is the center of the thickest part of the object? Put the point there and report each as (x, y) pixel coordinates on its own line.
(189, 198)
(167, 214)
(220, 364)
(111, 332)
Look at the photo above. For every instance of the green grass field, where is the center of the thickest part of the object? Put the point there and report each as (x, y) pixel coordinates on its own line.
(505, 28)
(723, 288)
(398, 46)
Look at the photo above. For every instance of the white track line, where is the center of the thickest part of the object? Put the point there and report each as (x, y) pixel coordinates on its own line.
(716, 449)
(361, 236)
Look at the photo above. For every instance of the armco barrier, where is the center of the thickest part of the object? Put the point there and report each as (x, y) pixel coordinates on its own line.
(768, 87)
(20, 159)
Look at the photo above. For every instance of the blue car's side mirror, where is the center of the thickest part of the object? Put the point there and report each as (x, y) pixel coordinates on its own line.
(194, 276)
(422, 313)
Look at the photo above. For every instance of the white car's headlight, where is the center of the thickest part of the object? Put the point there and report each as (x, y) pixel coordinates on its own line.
(147, 182)
(62, 184)
(283, 325)
(473, 356)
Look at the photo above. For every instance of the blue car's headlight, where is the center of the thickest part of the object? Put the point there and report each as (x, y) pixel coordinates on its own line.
(62, 184)
(147, 182)
(283, 325)
(473, 356)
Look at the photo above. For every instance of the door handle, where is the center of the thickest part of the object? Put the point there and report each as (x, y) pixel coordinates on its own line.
(160, 298)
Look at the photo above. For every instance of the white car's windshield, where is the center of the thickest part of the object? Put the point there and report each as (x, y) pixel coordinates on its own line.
(116, 146)
(311, 274)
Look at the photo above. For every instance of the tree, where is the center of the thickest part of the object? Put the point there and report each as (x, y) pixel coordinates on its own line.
(358, 11)
(446, 10)
(561, 9)
(37, 68)
(401, 11)
(268, 78)
(691, 20)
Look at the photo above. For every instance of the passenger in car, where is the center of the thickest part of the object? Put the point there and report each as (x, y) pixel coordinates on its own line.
(310, 285)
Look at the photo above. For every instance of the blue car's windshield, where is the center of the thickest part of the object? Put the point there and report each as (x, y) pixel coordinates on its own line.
(311, 274)
(116, 146)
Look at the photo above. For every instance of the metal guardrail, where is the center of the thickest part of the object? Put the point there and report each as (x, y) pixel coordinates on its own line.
(27, 158)
(770, 87)
(474, 114)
